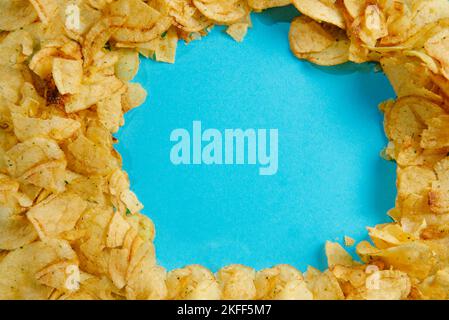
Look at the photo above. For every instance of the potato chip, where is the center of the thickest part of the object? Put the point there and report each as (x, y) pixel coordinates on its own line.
(20, 267)
(321, 10)
(67, 75)
(16, 14)
(187, 17)
(336, 255)
(307, 35)
(238, 31)
(260, 5)
(56, 214)
(323, 285)
(237, 282)
(56, 128)
(222, 11)
(15, 230)
(282, 282)
(193, 282)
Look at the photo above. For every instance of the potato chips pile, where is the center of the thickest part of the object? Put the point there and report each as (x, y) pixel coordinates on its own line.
(70, 226)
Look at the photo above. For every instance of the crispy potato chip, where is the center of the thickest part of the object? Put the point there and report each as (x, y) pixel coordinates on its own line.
(56, 128)
(238, 31)
(308, 36)
(237, 282)
(323, 285)
(187, 17)
(337, 255)
(260, 5)
(193, 283)
(127, 64)
(15, 230)
(56, 214)
(16, 14)
(321, 10)
(135, 96)
(20, 267)
(166, 48)
(282, 282)
(223, 11)
(67, 75)
(387, 285)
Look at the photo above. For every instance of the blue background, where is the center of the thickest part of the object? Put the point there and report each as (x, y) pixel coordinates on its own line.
(331, 181)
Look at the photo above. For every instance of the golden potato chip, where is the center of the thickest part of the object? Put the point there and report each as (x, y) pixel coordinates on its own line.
(337, 255)
(56, 214)
(46, 9)
(237, 31)
(67, 75)
(436, 136)
(16, 14)
(193, 282)
(10, 83)
(15, 230)
(349, 242)
(23, 156)
(387, 285)
(127, 64)
(89, 158)
(260, 5)
(56, 128)
(308, 36)
(223, 11)
(20, 267)
(146, 25)
(321, 10)
(323, 285)
(187, 17)
(409, 77)
(146, 283)
(237, 282)
(282, 282)
(135, 96)
(435, 287)
(166, 46)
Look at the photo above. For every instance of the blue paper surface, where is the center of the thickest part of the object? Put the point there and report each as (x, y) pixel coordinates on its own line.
(330, 181)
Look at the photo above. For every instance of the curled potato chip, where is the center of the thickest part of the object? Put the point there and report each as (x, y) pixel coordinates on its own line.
(437, 47)
(67, 75)
(16, 14)
(146, 24)
(187, 17)
(56, 128)
(237, 282)
(46, 9)
(331, 44)
(337, 255)
(166, 46)
(238, 30)
(127, 64)
(223, 11)
(282, 282)
(10, 83)
(135, 96)
(56, 214)
(409, 77)
(436, 135)
(387, 285)
(32, 152)
(193, 282)
(15, 230)
(308, 36)
(323, 285)
(20, 267)
(266, 4)
(321, 10)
